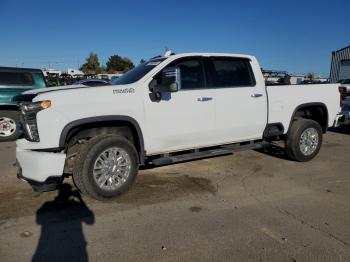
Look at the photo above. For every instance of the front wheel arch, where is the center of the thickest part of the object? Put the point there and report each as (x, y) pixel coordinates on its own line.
(102, 121)
(83, 175)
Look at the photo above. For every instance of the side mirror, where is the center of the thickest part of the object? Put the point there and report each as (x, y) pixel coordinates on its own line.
(170, 80)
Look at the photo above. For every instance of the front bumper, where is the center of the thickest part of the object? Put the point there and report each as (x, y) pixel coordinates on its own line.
(50, 184)
(43, 170)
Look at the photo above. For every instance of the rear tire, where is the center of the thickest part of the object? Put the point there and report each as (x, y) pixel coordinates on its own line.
(9, 125)
(304, 140)
(106, 167)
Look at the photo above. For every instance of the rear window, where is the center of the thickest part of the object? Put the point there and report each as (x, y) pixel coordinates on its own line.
(232, 72)
(16, 78)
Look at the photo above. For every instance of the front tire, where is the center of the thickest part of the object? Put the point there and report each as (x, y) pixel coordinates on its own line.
(9, 125)
(304, 140)
(106, 167)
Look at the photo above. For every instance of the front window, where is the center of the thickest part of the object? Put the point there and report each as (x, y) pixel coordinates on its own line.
(138, 72)
(191, 70)
(192, 74)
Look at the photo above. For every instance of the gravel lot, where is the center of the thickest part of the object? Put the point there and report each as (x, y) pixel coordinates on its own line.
(251, 206)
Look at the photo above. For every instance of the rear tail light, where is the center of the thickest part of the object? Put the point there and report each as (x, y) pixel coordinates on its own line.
(342, 94)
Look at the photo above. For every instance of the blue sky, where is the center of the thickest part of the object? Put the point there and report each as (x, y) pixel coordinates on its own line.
(297, 36)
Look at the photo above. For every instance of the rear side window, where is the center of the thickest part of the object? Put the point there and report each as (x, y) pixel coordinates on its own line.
(231, 72)
(16, 78)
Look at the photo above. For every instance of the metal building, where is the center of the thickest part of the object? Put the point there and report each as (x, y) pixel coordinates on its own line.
(340, 67)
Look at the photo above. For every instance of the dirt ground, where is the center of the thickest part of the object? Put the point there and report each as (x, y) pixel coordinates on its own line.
(250, 206)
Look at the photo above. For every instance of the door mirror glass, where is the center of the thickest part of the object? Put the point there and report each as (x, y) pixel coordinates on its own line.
(170, 81)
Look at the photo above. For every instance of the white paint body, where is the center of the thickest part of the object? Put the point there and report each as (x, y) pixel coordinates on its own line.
(179, 122)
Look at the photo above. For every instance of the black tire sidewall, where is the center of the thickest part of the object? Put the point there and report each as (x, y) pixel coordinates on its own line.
(93, 151)
(14, 115)
(294, 141)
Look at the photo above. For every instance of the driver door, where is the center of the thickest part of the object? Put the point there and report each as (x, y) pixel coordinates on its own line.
(184, 119)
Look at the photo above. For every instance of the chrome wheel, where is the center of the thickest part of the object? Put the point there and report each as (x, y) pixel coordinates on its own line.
(112, 168)
(309, 141)
(7, 127)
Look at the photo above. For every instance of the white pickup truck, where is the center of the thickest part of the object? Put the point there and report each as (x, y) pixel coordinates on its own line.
(170, 109)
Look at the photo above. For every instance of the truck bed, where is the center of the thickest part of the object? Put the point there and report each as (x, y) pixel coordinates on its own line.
(283, 100)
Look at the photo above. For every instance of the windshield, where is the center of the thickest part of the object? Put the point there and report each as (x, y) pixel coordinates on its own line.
(138, 72)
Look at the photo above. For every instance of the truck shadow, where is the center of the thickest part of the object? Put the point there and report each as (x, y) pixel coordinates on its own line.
(61, 220)
(275, 151)
(345, 130)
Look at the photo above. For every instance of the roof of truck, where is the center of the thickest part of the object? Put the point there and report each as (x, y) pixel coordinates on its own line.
(179, 55)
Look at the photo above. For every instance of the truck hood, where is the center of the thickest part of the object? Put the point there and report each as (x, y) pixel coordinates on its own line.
(30, 95)
(53, 89)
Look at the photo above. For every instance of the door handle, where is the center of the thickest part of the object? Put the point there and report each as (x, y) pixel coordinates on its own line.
(256, 95)
(204, 99)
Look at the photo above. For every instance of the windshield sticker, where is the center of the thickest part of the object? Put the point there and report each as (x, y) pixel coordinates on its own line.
(153, 63)
(124, 91)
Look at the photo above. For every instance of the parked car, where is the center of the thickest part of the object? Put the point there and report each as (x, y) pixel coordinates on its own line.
(344, 115)
(93, 82)
(346, 83)
(14, 81)
(170, 109)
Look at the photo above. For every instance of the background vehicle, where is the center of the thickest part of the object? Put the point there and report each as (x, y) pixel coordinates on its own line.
(93, 82)
(170, 109)
(14, 81)
(346, 84)
(345, 113)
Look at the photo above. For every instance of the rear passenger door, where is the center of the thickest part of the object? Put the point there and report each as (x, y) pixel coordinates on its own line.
(241, 107)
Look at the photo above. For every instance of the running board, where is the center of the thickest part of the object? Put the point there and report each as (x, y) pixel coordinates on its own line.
(248, 146)
(168, 159)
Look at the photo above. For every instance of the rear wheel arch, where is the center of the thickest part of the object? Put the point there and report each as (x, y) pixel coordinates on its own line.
(313, 111)
(92, 126)
(304, 141)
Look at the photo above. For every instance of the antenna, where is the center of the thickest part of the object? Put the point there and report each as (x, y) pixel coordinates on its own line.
(168, 52)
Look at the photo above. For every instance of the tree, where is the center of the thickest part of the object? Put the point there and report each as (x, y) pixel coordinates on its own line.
(142, 61)
(103, 69)
(117, 63)
(92, 65)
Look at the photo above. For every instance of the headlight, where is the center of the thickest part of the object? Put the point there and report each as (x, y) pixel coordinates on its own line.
(29, 111)
(36, 106)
